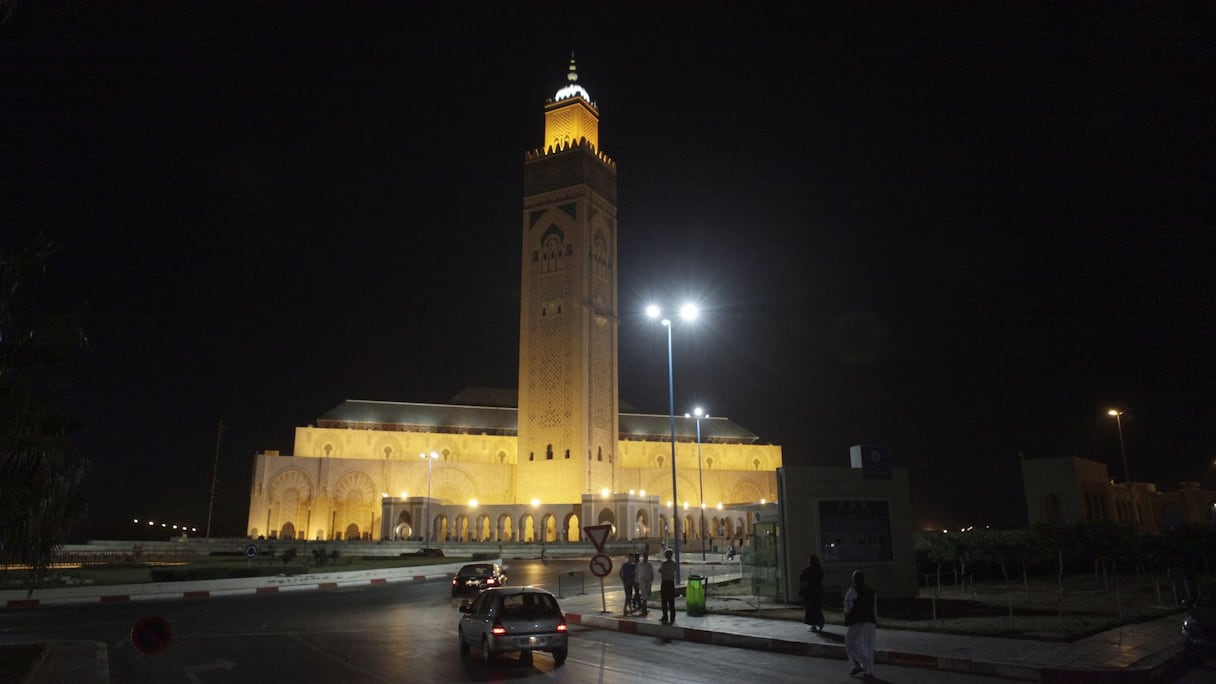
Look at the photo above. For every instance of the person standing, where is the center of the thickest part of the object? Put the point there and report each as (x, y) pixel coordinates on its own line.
(626, 573)
(645, 577)
(667, 588)
(811, 582)
(861, 617)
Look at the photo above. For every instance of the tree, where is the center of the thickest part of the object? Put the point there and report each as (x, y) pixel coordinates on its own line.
(40, 475)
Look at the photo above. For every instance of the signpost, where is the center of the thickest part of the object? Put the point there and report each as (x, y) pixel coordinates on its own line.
(601, 563)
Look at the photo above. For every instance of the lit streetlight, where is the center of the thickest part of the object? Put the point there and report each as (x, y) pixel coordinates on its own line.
(1123, 450)
(426, 531)
(699, 414)
(688, 312)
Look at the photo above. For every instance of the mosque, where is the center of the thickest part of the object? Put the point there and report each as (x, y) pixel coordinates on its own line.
(539, 463)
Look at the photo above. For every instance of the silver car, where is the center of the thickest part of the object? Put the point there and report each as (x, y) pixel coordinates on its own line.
(523, 619)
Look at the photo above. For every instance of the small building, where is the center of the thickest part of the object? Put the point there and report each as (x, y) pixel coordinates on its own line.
(1069, 490)
(854, 518)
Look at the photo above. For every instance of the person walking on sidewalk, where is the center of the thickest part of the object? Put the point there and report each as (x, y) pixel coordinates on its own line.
(861, 617)
(667, 588)
(811, 583)
(645, 578)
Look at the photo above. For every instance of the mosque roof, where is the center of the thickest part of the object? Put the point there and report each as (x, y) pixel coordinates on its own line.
(361, 414)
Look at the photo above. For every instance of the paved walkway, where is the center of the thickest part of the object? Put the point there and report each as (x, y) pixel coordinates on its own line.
(1145, 652)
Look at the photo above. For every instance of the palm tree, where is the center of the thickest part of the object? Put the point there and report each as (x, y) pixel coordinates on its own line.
(40, 476)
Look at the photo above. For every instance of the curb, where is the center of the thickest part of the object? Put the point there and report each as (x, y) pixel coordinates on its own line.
(276, 586)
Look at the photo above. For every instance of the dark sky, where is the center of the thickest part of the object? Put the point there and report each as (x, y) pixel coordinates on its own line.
(963, 232)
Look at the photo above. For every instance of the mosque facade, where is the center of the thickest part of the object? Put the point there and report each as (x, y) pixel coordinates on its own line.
(537, 463)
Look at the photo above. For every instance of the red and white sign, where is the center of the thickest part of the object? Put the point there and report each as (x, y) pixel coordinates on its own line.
(151, 634)
(598, 534)
(601, 565)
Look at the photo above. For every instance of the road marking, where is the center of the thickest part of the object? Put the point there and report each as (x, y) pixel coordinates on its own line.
(193, 671)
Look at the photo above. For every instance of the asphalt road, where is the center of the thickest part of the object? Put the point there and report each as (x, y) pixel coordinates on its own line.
(391, 633)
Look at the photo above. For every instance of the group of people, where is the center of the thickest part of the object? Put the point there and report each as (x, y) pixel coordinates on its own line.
(637, 577)
(860, 614)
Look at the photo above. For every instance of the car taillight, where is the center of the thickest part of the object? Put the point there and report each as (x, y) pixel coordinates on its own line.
(561, 626)
(454, 582)
(497, 628)
(491, 581)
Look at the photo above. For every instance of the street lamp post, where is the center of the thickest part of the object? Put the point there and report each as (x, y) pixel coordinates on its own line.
(700, 477)
(1122, 450)
(688, 312)
(426, 530)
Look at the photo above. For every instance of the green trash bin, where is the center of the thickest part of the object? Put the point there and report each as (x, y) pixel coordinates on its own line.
(694, 595)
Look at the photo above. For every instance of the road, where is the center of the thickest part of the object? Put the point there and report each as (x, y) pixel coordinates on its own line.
(392, 633)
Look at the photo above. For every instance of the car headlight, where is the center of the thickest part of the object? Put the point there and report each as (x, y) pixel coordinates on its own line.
(1190, 625)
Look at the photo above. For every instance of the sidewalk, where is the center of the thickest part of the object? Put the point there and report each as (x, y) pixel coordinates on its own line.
(1145, 652)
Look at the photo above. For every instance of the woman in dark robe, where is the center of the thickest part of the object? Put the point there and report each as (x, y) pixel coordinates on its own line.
(811, 581)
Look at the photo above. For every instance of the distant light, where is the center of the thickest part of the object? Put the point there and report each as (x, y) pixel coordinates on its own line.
(702, 504)
(686, 505)
(689, 311)
(604, 492)
(136, 521)
(472, 503)
(653, 311)
(719, 505)
(383, 495)
(630, 492)
(762, 502)
(669, 503)
(404, 495)
(641, 492)
(151, 523)
(698, 412)
(535, 503)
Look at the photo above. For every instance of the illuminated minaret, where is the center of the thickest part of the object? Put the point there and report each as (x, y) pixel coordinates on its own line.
(568, 308)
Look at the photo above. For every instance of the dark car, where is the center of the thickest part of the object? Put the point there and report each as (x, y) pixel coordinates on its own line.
(523, 619)
(1199, 625)
(474, 577)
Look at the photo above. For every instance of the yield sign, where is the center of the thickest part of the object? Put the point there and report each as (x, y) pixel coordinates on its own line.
(598, 534)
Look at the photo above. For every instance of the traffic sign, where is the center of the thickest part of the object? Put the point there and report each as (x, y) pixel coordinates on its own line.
(601, 565)
(151, 634)
(598, 534)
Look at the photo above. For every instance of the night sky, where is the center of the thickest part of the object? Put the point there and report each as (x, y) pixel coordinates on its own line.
(963, 232)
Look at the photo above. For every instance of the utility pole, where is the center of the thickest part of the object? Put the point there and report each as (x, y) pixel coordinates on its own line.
(215, 475)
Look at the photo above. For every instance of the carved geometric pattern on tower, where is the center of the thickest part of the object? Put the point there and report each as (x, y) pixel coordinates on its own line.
(552, 250)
